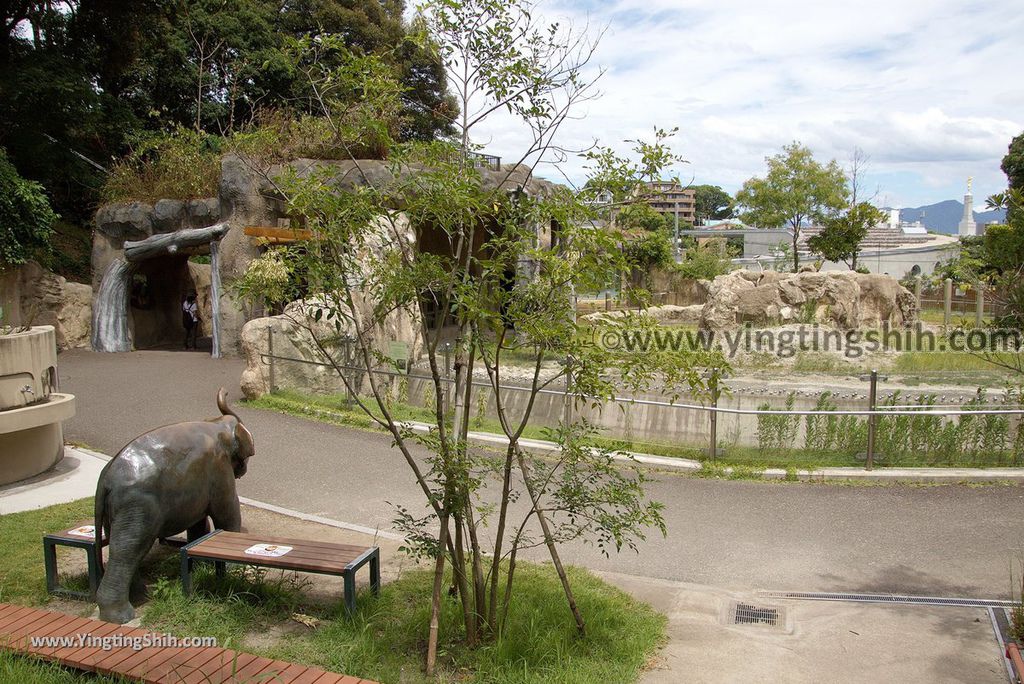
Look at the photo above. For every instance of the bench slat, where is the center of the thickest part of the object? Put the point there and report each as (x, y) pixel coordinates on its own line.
(296, 552)
(246, 539)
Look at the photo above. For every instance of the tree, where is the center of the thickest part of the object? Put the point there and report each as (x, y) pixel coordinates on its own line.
(463, 240)
(641, 217)
(795, 190)
(841, 236)
(26, 219)
(712, 203)
(1013, 163)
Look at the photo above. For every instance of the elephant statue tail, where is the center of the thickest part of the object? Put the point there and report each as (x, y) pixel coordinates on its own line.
(101, 523)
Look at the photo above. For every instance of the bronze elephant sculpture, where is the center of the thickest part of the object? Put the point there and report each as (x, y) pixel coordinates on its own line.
(162, 483)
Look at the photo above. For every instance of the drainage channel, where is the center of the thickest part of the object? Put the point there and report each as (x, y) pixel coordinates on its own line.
(997, 609)
(888, 598)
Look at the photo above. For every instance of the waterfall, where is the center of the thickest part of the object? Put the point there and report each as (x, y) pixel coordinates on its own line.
(215, 295)
(110, 310)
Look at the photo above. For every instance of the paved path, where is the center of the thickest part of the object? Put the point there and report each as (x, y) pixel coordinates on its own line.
(945, 540)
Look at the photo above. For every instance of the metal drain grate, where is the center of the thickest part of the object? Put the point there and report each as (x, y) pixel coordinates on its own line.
(746, 614)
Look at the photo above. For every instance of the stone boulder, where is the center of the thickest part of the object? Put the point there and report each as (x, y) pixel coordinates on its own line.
(666, 314)
(845, 300)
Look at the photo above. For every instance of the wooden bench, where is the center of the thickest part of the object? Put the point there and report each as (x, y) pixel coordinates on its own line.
(302, 555)
(82, 536)
(83, 649)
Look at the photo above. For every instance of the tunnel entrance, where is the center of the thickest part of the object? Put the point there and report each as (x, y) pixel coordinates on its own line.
(158, 289)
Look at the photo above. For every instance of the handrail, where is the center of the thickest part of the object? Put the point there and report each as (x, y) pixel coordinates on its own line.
(880, 411)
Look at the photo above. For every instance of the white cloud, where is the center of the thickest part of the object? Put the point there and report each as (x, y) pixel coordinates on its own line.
(925, 87)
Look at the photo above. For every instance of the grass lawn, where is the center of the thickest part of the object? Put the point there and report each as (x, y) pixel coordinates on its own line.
(385, 641)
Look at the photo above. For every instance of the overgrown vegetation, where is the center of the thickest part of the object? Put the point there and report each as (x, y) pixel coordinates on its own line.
(909, 440)
(26, 219)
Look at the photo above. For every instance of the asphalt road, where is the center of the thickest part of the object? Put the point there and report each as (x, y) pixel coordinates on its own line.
(934, 540)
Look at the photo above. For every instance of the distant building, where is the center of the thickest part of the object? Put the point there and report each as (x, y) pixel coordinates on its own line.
(670, 198)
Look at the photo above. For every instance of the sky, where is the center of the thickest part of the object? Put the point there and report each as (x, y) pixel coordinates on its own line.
(930, 90)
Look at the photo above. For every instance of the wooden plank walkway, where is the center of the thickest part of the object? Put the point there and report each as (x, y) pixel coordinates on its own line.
(156, 664)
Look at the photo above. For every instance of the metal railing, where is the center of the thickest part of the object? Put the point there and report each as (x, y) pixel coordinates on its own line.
(873, 411)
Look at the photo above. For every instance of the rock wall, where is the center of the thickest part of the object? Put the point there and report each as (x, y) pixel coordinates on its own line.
(844, 300)
(32, 295)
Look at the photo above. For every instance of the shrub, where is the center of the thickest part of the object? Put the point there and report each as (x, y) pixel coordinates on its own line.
(26, 219)
(702, 263)
(182, 164)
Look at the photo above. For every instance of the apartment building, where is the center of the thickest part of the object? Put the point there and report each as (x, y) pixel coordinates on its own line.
(668, 197)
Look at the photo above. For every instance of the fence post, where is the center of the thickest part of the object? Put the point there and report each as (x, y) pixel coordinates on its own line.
(872, 418)
(917, 293)
(979, 305)
(947, 310)
(713, 446)
(270, 357)
(607, 301)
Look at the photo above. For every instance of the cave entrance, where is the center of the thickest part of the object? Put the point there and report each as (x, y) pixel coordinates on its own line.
(156, 293)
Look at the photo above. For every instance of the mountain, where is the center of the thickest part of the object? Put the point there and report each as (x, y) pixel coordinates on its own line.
(944, 217)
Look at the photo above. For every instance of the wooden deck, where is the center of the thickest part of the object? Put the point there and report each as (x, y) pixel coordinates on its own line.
(157, 664)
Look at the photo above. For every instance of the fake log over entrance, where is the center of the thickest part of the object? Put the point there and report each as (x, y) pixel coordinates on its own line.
(110, 331)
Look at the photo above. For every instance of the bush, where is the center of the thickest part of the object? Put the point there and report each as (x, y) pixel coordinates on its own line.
(702, 263)
(182, 164)
(26, 218)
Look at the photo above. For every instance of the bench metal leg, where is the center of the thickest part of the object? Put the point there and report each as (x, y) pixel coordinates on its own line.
(375, 573)
(220, 567)
(50, 561)
(186, 573)
(350, 593)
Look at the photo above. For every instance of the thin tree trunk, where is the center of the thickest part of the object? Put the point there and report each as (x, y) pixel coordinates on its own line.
(549, 541)
(435, 600)
(459, 573)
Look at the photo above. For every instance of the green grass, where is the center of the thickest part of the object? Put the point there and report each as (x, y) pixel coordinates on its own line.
(22, 578)
(385, 641)
(30, 671)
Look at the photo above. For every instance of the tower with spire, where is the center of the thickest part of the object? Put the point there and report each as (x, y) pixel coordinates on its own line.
(967, 224)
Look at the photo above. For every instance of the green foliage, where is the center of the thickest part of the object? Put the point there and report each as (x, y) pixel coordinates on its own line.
(840, 239)
(796, 189)
(648, 250)
(641, 216)
(94, 78)
(711, 203)
(1013, 163)
(777, 433)
(180, 165)
(702, 263)
(26, 219)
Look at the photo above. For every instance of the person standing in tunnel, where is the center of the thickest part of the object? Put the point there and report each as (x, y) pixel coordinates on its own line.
(190, 319)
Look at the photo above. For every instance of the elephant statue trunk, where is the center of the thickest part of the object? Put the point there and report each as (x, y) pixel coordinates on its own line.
(162, 483)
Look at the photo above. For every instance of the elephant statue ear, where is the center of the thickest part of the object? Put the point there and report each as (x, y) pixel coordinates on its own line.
(246, 447)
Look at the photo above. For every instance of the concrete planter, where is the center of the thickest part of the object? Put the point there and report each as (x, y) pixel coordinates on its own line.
(31, 409)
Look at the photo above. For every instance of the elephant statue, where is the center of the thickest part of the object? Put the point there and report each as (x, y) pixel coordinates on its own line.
(162, 483)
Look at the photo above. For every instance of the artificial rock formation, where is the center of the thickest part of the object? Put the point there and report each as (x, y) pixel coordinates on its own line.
(32, 295)
(844, 300)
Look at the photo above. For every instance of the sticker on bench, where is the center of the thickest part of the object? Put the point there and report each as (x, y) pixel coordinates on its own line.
(271, 550)
(84, 531)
